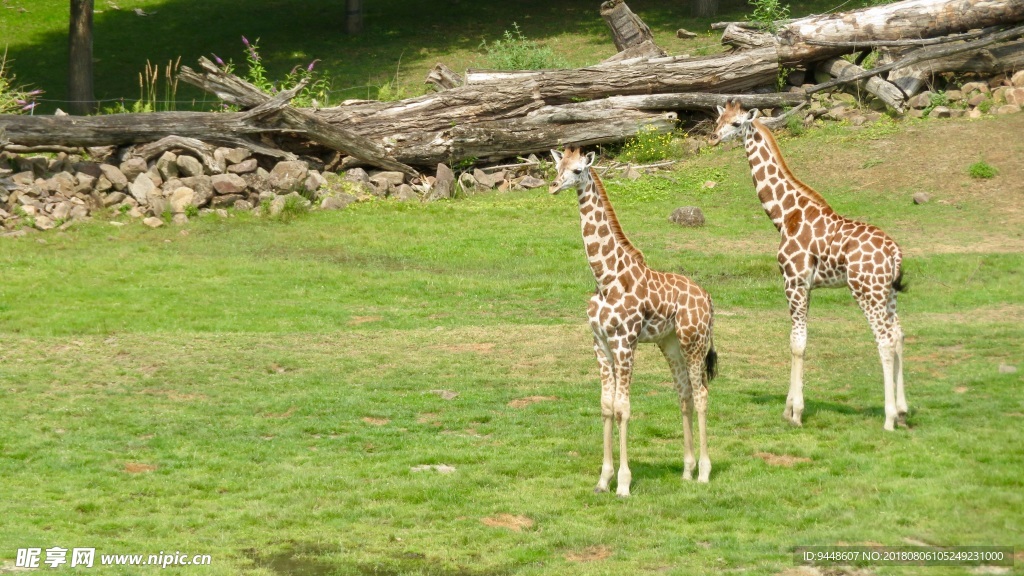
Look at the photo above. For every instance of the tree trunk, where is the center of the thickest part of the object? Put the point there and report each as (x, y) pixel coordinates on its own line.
(80, 87)
(884, 91)
(353, 17)
(900, 20)
(628, 29)
(704, 8)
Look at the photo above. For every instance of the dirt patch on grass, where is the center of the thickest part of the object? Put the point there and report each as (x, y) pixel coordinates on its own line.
(590, 554)
(138, 468)
(511, 521)
(376, 421)
(284, 414)
(357, 320)
(781, 459)
(478, 347)
(523, 402)
(173, 395)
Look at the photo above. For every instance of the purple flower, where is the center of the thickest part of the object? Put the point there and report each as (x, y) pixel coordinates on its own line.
(245, 41)
(218, 60)
(28, 107)
(311, 65)
(296, 67)
(35, 93)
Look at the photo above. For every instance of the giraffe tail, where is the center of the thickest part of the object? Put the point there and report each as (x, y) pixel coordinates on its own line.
(898, 284)
(711, 363)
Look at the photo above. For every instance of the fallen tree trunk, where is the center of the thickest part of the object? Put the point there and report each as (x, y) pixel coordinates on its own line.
(896, 21)
(884, 91)
(628, 30)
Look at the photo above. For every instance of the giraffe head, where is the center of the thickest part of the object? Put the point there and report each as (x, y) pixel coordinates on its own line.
(573, 169)
(733, 121)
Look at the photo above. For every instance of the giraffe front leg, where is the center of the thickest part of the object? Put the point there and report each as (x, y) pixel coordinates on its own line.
(607, 413)
(901, 397)
(623, 377)
(887, 354)
(798, 296)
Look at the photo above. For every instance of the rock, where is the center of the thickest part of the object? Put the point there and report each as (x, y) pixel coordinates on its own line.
(999, 95)
(189, 166)
(486, 180)
(84, 183)
(153, 222)
(976, 113)
(228, 183)
(392, 178)
(167, 165)
(157, 205)
(689, 216)
(442, 187)
(314, 181)
(921, 101)
(529, 182)
(359, 175)
(915, 113)
(969, 87)
(142, 188)
(225, 200)
(633, 174)
(940, 112)
(957, 112)
(236, 155)
(259, 182)
(997, 81)
(155, 176)
(78, 212)
(288, 175)
(337, 202)
(684, 33)
(858, 120)
(921, 197)
(113, 175)
(202, 187)
(90, 168)
(61, 210)
(467, 181)
(954, 95)
(796, 77)
(181, 199)
(1014, 96)
(1017, 79)
(244, 167)
(405, 193)
(62, 183)
(113, 198)
(976, 100)
(277, 204)
(1008, 109)
(132, 167)
(43, 222)
(243, 205)
(179, 219)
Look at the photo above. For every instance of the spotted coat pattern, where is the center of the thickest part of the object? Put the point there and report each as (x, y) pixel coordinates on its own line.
(634, 304)
(821, 249)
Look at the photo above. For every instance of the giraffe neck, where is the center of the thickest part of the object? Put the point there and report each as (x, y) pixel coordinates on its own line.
(780, 192)
(608, 250)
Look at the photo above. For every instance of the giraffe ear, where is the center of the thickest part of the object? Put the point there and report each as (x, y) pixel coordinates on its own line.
(753, 113)
(590, 159)
(720, 110)
(556, 155)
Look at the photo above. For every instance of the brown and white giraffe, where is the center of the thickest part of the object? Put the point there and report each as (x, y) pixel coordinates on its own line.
(634, 304)
(821, 249)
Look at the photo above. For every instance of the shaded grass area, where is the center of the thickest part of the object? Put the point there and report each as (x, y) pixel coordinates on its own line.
(262, 391)
(402, 38)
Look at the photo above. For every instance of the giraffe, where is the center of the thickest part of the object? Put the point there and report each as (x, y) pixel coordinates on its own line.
(634, 304)
(821, 249)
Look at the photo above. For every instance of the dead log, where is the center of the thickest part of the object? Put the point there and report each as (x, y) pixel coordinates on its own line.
(443, 77)
(884, 91)
(276, 111)
(925, 54)
(645, 50)
(628, 30)
(889, 22)
(997, 59)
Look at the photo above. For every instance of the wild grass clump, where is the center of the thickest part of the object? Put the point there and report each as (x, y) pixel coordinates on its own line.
(648, 146)
(14, 99)
(316, 93)
(767, 14)
(982, 170)
(516, 52)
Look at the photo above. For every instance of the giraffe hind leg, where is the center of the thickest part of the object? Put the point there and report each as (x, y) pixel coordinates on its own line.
(677, 363)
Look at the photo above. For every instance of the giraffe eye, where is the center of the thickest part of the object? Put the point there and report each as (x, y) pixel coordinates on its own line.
(578, 171)
(736, 124)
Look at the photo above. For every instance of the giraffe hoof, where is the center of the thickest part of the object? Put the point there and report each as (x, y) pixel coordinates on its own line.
(901, 420)
(599, 490)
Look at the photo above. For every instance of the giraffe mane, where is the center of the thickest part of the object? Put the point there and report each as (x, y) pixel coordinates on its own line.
(613, 220)
(773, 145)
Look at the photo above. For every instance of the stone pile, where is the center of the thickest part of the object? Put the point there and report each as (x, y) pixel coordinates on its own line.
(45, 192)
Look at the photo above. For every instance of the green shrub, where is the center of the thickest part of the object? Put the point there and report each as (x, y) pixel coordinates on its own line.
(516, 52)
(982, 170)
(767, 13)
(648, 145)
(14, 99)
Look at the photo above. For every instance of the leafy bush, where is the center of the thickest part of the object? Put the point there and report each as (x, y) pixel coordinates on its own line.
(516, 52)
(316, 92)
(767, 13)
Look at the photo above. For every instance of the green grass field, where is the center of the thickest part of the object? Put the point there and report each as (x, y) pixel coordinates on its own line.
(262, 391)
